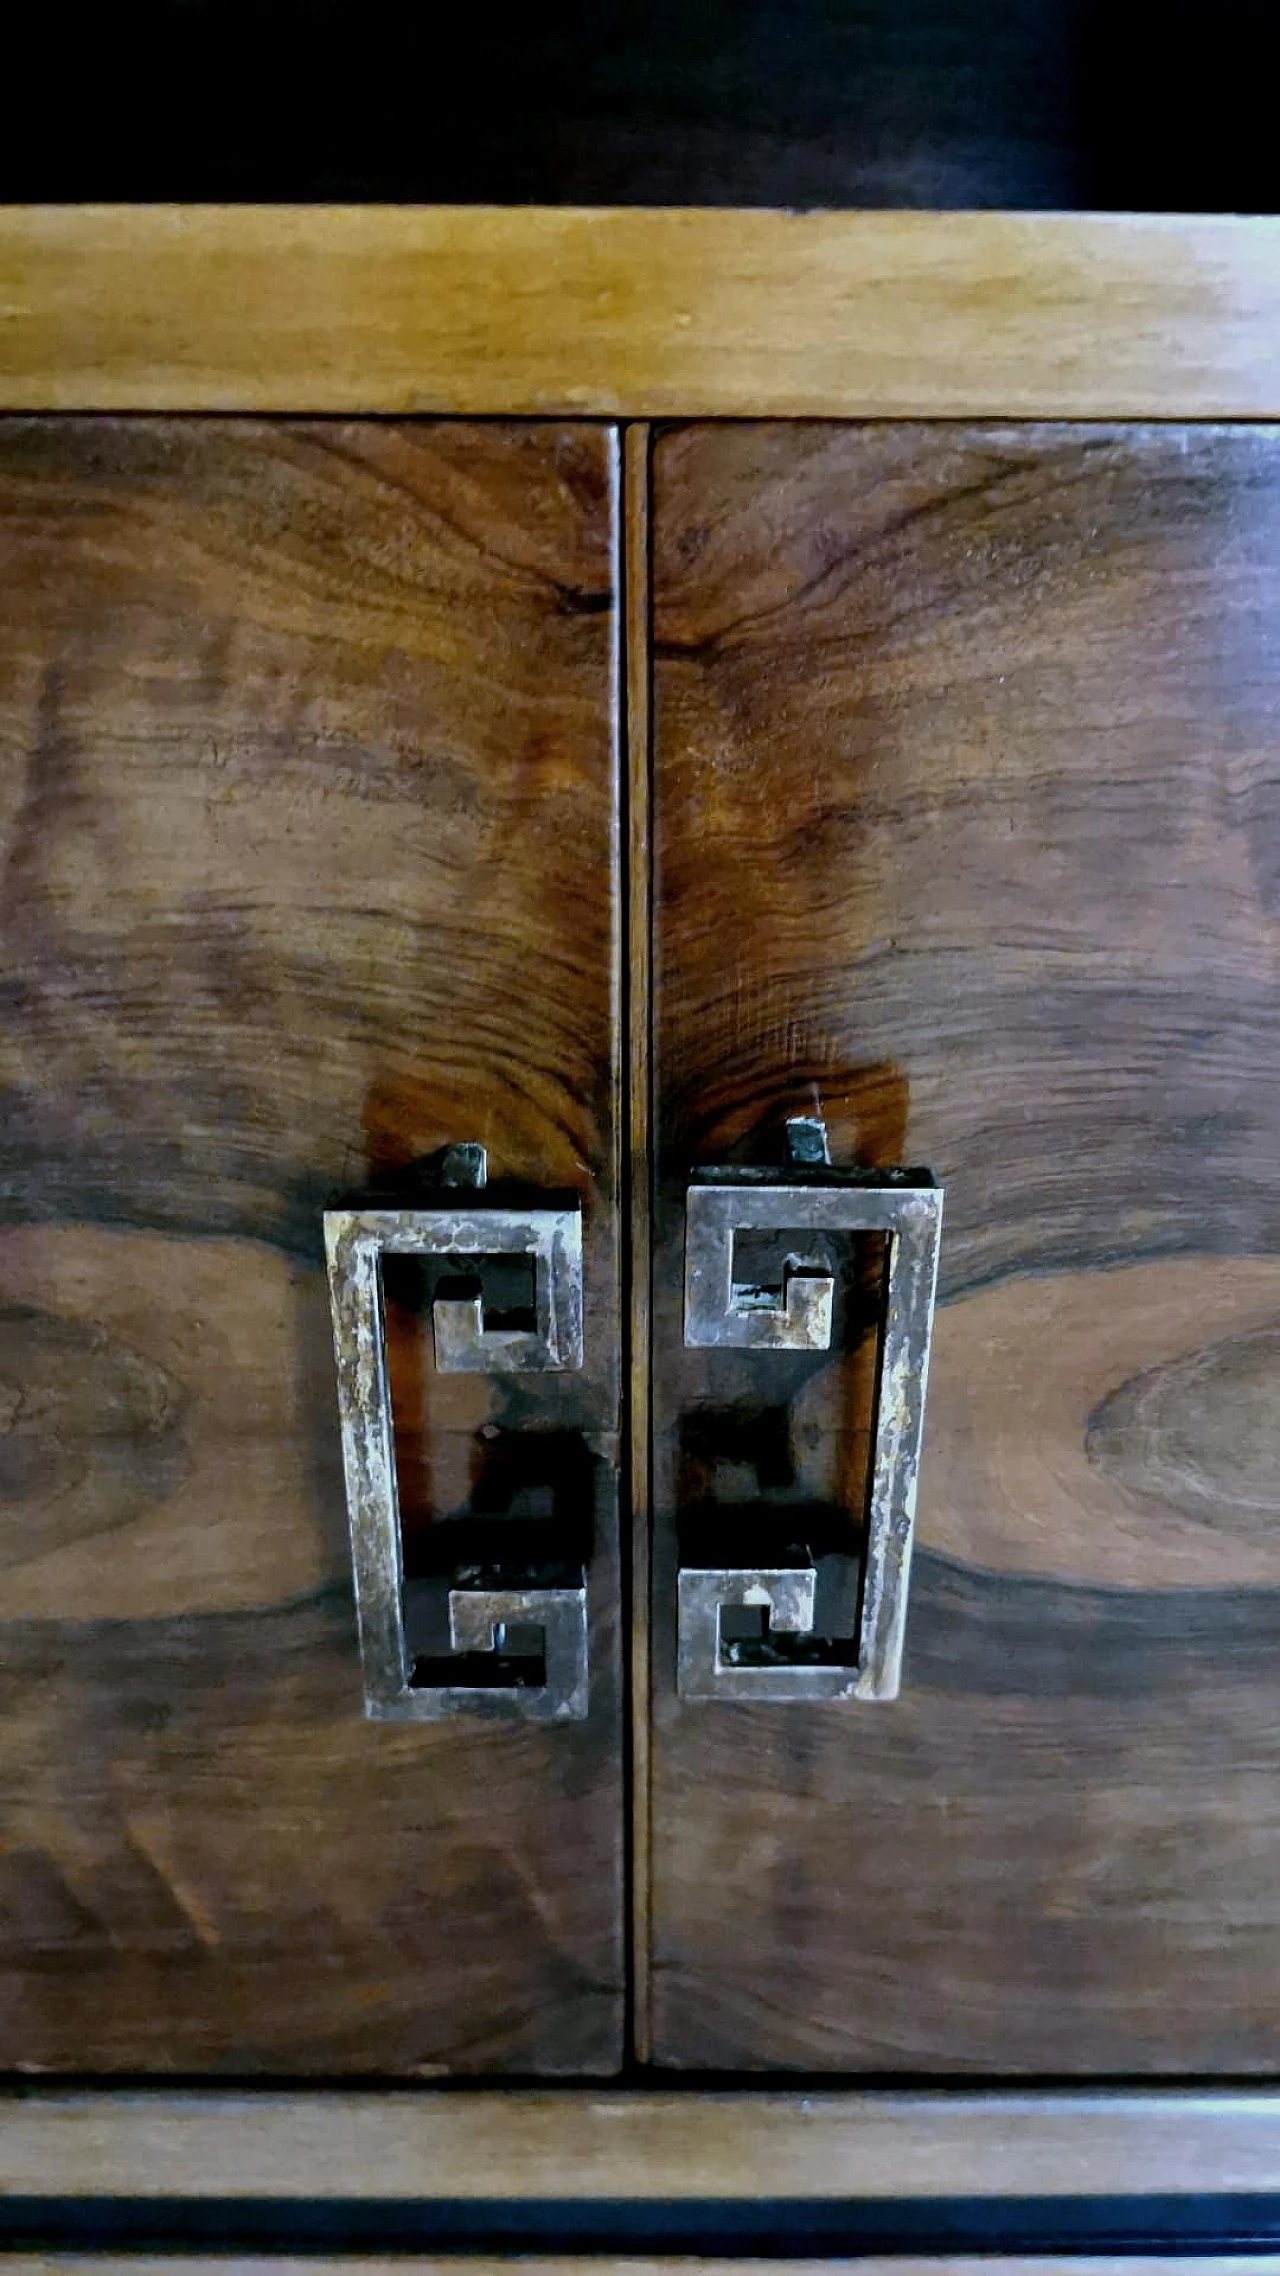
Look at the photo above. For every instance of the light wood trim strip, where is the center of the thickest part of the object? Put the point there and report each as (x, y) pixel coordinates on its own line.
(639, 314)
(552, 2146)
(578, 2264)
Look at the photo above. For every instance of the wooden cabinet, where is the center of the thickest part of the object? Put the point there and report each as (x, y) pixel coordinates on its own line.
(308, 813)
(925, 771)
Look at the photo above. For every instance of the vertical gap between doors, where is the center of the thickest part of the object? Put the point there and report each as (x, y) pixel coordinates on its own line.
(637, 800)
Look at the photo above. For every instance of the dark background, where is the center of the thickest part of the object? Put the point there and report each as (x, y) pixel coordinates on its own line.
(1033, 103)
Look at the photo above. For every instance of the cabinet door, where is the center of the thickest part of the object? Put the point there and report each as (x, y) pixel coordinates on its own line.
(307, 823)
(967, 815)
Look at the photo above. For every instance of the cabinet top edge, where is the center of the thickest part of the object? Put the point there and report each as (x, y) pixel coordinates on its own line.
(634, 312)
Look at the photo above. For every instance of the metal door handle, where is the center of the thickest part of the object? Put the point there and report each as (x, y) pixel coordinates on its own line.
(495, 1613)
(724, 1311)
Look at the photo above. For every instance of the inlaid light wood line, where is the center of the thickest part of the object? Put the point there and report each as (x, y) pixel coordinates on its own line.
(550, 2264)
(551, 2146)
(637, 609)
(639, 313)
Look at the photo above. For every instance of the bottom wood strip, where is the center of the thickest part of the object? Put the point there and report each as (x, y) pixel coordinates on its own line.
(466, 2264)
(545, 2146)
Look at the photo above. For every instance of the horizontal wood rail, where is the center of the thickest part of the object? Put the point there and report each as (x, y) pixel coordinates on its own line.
(557, 2145)
(638, 313)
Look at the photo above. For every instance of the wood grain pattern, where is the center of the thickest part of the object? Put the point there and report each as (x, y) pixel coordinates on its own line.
(968, 826)
(307, 818)
(676, 313)
(553, 2147)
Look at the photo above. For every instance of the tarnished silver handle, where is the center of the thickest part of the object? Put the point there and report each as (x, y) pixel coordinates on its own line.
(729, 1312)
(521, 1648)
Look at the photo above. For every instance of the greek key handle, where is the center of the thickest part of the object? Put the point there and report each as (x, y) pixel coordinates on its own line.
(723, 1310)
(521, 1648)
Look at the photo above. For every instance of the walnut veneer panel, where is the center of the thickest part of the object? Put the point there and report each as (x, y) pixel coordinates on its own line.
(967, 796)
(307, 867)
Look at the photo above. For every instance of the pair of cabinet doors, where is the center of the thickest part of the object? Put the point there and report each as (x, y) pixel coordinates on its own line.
(954, 824)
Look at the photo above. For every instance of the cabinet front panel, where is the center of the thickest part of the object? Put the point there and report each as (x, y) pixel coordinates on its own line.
(307, 849)
(967, 830)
